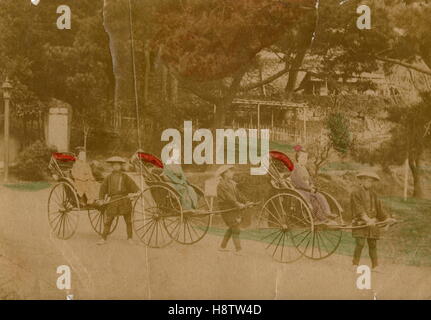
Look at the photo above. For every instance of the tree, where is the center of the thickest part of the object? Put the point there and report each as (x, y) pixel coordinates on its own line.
(73, 66)
(320, 149)
(408, 43)
(211, 45)
(339, 132)
(399, 36)
(337, 139)
(409, 141)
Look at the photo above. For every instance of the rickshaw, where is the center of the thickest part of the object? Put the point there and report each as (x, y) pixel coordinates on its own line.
(64, 203)
(158, 216)
(286, 223)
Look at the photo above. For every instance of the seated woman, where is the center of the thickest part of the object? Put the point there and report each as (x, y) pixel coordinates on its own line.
(85, 183)
(301, 180)
(174, 172)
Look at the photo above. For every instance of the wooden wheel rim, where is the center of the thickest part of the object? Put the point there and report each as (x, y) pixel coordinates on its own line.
(63, 205)
(277, 227)
(97, 221)
(148, 222)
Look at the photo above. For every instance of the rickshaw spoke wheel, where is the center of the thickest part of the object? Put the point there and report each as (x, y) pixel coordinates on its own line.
(280, 219)
(319, 243)
(322, 241)
(149, 211)
(63, 207)
(190, 226)
(97, 221)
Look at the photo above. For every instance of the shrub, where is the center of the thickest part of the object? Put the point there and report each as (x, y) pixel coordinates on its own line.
(339, 132)
(32, 162)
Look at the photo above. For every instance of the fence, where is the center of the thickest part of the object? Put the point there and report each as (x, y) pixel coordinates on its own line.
(285, 134)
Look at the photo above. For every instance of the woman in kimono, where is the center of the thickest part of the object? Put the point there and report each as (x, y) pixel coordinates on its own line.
(301, 180)
(177, 179)
(85, 183)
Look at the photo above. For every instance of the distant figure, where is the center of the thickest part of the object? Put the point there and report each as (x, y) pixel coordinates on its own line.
(97, 170)
(85, 183)
(115, 189)
(366, 211)
(301, 180)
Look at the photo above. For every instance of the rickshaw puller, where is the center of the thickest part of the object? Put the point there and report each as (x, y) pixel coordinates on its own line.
(117, 186)
(366, 211)
(229, 197)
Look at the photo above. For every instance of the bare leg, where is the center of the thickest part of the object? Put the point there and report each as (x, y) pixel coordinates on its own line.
(107, 226)
(360, 243)
(226, 238)
(372, 249)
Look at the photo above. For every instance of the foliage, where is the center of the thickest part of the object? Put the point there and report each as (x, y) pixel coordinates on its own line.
(409, 136)
(409, 140)
(338, 139)
(411, 40)
(25, 103)
(320, 151)
(43, 62)
(32, 162)
(209, 40)
(339, 132)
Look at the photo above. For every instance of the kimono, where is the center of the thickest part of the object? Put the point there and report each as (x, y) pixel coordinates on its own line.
(118, 185)
(364, 203)
(301, 180)
(85, 182)
(228, 197)
(177, 180)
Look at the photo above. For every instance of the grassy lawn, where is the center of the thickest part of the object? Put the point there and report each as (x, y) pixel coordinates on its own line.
(408, 242)
(28, 186)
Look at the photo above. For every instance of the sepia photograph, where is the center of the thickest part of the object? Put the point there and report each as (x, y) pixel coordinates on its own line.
(209, 150)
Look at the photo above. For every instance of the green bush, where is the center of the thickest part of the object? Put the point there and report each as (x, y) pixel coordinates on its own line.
(32, 162)
(339, 132)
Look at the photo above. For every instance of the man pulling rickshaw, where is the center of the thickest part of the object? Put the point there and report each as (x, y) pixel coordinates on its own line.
(114, 191)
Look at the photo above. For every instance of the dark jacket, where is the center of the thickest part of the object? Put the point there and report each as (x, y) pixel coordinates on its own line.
(229, 197)
(366, 204)
(115, 186)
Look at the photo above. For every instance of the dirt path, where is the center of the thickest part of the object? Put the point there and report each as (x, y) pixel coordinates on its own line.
(30, 257)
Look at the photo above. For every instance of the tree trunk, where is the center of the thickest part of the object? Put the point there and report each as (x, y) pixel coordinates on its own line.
(293, 73)
(173, 89)
(425, 54)
(24, 124)
(220, 116)
(164, 71)
(262, 88)
(147, 72)
(417, 178)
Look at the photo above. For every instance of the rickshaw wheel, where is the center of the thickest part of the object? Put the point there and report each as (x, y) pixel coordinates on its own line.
(283, 217)
(97, 221)
(63, 207)
(189, 227)
(149, 211)
(322, 241)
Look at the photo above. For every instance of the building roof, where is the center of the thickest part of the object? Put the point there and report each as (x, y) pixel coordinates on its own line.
(280, 104)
